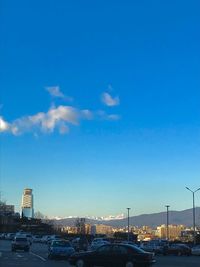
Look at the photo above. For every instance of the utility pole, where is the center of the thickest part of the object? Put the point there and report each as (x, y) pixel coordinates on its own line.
(128, 224)
(194, 223)
(167, 206)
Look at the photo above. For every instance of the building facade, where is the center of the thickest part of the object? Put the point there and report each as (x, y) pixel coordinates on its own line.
(27, 203)
(174, 231)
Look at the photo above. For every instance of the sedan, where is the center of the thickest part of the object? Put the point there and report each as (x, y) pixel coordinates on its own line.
(20, 243)
(60, 249)
(177, 249)
(113, 255)
(196, 250)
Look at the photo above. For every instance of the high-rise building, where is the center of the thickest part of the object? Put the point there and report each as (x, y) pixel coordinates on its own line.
(27, 203)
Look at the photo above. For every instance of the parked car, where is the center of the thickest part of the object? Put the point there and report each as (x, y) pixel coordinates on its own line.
(30, 238)
(26, 235)
(2, 236)
(152, 247)
(177, 249)
(37, 239)
(60, 249)
(80, 243)
(44, 239)
(196, 250)
(98, 242)
(20, 243)
(113, 255)
(129, 243)
(51, 239)
(9, 236)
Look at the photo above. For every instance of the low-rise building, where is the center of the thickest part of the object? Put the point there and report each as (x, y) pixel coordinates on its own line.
(174, 231)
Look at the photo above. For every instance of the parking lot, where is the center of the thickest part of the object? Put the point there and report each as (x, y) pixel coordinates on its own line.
(38, 257)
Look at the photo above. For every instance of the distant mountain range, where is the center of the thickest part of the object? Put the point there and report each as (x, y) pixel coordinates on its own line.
(103, 218)
(183, 217)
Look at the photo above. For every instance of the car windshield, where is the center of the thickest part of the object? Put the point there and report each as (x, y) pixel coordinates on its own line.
(21, 239)
(182, 245)
(61, 244)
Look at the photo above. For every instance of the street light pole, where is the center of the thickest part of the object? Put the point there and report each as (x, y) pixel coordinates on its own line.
(128, 223)
(194, 224)
(167, 206)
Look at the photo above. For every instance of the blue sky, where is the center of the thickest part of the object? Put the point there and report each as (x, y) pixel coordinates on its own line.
(99, 105)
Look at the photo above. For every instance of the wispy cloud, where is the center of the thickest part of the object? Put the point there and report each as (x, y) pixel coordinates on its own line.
(60, 118)
(113, 117)
(55, 91)
(108, 117)
(108, 100)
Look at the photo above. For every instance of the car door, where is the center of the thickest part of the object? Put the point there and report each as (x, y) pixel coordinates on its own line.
(174, 249)
(102, 257)
(120, 255)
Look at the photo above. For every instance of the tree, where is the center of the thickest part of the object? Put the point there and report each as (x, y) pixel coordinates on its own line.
(39, 215)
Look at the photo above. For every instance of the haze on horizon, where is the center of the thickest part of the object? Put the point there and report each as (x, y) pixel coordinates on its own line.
(99, 106)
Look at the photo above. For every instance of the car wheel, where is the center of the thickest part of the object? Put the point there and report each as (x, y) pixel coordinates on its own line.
(80, 263)
(179, 253)
(129, 264)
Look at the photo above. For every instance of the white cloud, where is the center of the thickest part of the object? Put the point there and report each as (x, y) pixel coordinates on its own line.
(108, 100)
(55, 118)
(4, 126)
(56, 92)
(58, 118)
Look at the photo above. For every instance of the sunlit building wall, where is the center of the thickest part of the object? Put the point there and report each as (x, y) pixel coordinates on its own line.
(174, 231)
(103, 229)
(27, 203)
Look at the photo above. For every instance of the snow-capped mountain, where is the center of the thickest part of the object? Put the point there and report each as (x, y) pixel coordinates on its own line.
(102, 218)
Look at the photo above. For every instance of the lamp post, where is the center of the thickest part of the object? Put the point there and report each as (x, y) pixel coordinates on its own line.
(128, 222)
(167, 206)
(194, 225)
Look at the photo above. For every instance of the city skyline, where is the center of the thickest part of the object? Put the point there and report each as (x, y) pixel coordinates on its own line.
(99, 107)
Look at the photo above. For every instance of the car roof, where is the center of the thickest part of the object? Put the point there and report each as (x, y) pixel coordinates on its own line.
(60, 240)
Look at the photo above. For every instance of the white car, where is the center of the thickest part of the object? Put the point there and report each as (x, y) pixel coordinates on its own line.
(196, 250)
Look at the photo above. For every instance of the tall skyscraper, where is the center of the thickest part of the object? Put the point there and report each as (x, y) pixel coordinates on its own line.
(27, 203)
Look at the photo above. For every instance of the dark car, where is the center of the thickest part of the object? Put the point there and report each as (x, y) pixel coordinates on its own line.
(113, 255)
(20, 243)
(177, 249)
